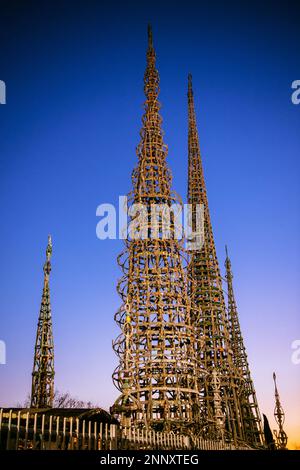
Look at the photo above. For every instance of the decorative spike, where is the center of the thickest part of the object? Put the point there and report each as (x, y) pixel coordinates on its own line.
(207, 291)
(281, 437)
(42, 391)
(190, 84)
(157, 371)
(249, 405)
(150, 37)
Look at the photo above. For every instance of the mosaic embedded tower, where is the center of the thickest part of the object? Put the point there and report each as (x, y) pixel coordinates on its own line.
(250, 411)
(158, 370)
(221, 410)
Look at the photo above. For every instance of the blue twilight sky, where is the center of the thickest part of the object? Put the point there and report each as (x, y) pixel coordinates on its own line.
(74, 77)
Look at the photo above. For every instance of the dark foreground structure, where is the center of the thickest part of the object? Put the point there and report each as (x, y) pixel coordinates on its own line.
(84, 429)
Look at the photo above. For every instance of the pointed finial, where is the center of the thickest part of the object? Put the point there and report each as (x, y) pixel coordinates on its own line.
(47, 265)
(49, 248)
(227, 262)
(150, 37)
(190, 85)
(274, 378)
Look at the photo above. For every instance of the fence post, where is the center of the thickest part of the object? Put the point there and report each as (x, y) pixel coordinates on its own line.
(106, 436)
(89, 434)
(101, 436)
(26, 430)
(153, 438)
(42, 432)
(18, 430)
(95, 436)
(64, 434)
(34, 430)
(8, 430)
(50, 431)
(113, 437)
(83, 434)
(71, 433)
(142, 436)
(57, 432)
(77, 433)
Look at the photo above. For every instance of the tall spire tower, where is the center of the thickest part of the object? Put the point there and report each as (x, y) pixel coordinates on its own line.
(281, 437)
(157, 371)
(250, 410)
(221, 410)
(43, 366)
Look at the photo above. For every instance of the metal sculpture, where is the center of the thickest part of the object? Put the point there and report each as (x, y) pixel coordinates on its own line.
(42, 392)
(250, 411)
(280, 435)
(158, 373)
(221, 411)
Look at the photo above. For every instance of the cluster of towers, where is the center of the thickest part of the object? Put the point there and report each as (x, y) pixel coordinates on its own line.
(182, 361)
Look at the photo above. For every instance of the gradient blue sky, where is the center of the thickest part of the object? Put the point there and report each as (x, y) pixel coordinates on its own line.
(74, 76)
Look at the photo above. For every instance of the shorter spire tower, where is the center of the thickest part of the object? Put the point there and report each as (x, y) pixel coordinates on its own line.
(220, 397)
(249, 405)
(43, 366)
(281, 437)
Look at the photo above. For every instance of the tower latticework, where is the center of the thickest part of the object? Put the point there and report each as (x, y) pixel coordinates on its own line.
(43, 367)
(280, 435)
(157, 373)
(221, 408)
(249, 405)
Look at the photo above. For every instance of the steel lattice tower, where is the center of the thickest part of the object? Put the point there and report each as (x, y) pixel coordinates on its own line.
(43, 367)
(157, 373)
(221, 409)
(250, 410)
(281, 437)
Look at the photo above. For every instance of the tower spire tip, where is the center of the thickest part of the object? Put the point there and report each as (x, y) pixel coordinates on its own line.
(150, 36)
(190, 84)
(49, 249)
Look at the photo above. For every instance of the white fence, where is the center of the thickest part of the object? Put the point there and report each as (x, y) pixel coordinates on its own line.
(20, 430)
